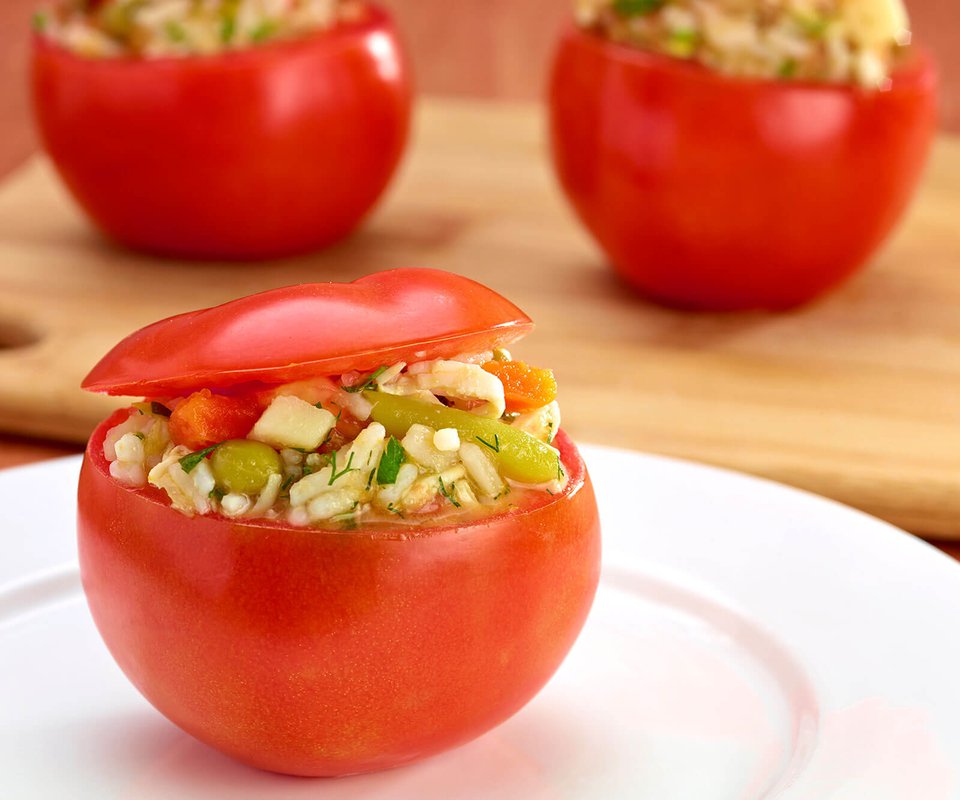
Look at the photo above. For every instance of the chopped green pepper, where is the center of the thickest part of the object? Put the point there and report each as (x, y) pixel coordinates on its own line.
(682, 43)
(263, 31)
(634, 8)
(521, 457)
(175, 32)
(787, 69)
(244, 466)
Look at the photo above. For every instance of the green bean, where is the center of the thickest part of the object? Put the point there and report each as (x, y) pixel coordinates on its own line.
(518, 455)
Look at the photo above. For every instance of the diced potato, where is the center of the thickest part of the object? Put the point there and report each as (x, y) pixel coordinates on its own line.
(290, 422)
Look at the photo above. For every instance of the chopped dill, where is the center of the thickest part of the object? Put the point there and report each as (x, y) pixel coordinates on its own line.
(334, 475)
(368, 383)
(447, 492)
(496, 442)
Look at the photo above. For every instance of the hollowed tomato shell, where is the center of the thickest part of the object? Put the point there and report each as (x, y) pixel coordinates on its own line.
(712, 192)
(315, 652)
(264, 152)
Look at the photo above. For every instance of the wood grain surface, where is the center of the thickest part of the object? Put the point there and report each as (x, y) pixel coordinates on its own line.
(856, 398)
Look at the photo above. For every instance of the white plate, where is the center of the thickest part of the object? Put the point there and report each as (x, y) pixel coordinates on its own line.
(748, 641)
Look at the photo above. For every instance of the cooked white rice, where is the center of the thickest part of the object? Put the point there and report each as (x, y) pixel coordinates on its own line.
(172, 28)
(844, 41)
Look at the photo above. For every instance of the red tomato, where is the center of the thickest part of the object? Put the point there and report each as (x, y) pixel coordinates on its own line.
(713, 192)
(204, 419)
(319, 652)
(270, 151)
(313, 329)
(326, 653)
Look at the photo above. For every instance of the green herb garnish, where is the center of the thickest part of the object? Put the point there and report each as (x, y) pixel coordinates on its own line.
(334, 475)
(216, 494)
(160, 409)
(369, 383)
(139, 435)
(496, 442)
(263, 31)
(287, 483)
(175, 32)
(636, 8)
(682, 43)
(560, 472)
(446, 492)
(40, 21)
(228, 29)
(189, 462)
(370, 478)
(814, 25)
(390, 462)
(788, 68)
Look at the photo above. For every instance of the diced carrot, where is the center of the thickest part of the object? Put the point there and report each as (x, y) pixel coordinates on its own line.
(205, 419)
(524, 387)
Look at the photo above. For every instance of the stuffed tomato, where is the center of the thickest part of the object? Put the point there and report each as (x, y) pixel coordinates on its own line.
(739, 156)
(231, 129)
(358, 539)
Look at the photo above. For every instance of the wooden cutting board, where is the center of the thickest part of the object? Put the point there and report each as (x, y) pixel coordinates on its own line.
(856, 397)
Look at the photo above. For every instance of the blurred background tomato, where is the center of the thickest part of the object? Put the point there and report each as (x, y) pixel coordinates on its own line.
(484, 48)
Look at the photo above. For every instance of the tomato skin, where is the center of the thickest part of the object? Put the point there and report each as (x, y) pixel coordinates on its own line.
(719, 193)
(260, 153)
(329, 653)
(299, 332)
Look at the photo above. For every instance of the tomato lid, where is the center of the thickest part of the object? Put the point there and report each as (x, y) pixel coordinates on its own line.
(307, 330)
